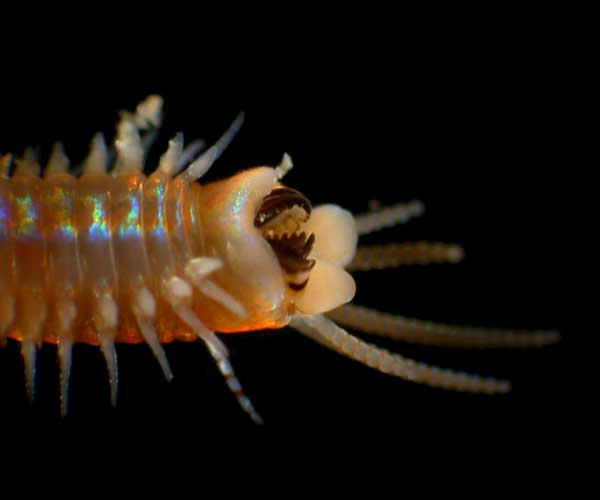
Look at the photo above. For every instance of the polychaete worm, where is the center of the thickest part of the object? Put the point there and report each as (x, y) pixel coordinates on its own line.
(111, 255)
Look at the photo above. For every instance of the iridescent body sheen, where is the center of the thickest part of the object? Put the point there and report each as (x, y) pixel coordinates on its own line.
(117, 256)
(92, 230)
(232, 204)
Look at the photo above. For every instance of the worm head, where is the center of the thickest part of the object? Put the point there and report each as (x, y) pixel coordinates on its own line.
(280, 254)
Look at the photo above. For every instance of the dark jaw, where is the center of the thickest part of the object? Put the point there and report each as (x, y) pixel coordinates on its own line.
(292, 250)
(278, 201)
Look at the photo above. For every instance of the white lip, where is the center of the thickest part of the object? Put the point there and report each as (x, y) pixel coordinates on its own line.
(328, 287)
(335, 232)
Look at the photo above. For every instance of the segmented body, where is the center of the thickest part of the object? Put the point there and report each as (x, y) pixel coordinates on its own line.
(117, 256)
(67, 242)
(110, 257)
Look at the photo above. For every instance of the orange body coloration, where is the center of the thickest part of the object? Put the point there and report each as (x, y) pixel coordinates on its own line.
(117, 256)
(177, 214)
(228, 208)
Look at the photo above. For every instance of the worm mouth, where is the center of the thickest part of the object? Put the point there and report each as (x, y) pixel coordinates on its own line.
(280, 219)
(280, 200)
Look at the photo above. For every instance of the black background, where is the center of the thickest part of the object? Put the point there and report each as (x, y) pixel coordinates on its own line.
(464, 122)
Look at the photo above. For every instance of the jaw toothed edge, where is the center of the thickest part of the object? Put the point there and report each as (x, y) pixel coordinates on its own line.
(312, 246)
